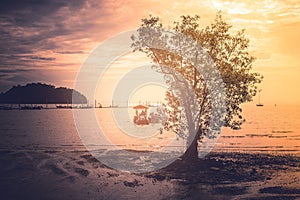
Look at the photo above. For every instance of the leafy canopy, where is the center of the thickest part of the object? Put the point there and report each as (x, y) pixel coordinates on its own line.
(230, 54)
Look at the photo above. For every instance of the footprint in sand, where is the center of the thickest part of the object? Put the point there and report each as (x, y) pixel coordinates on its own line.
(55, 168)
(82, 172)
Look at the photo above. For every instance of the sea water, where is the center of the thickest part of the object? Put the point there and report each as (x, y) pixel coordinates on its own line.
(268, 129)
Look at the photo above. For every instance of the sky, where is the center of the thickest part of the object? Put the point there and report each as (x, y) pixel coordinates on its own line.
(48, 40)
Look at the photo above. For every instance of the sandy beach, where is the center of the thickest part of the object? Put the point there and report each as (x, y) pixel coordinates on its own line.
(51, 174)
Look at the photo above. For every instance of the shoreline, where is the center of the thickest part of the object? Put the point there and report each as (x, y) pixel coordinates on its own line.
(82, 148)
(78, 175)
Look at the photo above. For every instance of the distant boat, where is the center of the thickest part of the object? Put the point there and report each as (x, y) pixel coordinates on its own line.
(259, 103)
(141, 118)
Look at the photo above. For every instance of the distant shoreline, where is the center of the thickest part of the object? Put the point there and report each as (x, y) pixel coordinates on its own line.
(39, 106)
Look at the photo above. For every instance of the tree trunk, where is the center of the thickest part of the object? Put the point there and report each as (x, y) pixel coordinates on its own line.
(191, 154)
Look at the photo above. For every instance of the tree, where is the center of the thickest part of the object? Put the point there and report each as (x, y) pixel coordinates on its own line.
(177, 57)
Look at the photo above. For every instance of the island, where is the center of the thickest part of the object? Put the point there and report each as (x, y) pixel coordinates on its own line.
(40, 93)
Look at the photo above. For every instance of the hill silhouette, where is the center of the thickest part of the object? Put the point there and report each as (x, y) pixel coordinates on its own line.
(39, 93)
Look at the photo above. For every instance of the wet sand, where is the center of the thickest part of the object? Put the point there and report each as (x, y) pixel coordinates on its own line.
(54, 174)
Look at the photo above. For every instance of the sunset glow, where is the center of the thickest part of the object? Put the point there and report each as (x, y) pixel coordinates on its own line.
(51, 45)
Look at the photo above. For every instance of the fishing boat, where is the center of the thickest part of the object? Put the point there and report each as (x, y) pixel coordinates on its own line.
(141, 117)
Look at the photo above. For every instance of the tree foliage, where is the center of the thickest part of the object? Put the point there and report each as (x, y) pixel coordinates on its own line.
(230, 54)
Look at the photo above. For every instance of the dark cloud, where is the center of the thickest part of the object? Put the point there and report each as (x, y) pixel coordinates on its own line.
(30, 25)
(42, 58)
(27, 12)
(3, 76)
(9, 71)
(71, 52)
(9, 77)
(29, 28)
(45, 35)
(18, 79)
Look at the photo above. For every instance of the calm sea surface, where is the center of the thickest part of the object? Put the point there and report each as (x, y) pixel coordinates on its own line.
(272, 129)
(268, 129)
